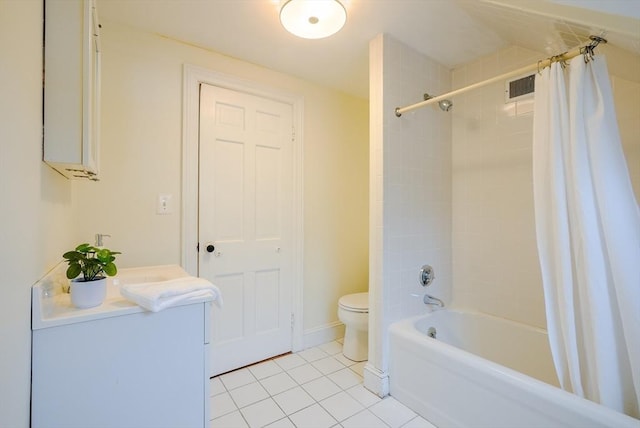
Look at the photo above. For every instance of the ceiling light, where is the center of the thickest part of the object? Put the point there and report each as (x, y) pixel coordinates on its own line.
(313, 19)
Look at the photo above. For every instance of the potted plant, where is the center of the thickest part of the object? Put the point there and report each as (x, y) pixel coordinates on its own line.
(95, 264)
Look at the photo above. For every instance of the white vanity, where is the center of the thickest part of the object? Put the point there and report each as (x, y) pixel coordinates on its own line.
(118, 364)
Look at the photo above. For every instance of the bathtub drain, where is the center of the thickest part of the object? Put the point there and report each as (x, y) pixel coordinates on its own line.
(431, 332)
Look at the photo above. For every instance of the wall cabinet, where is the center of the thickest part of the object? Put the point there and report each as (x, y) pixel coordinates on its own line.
(72, 88)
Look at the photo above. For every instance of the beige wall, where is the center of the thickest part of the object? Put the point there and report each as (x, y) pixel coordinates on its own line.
(495, 259)
(624, 70)
(141, 157)
(44, 214)
(36, 201)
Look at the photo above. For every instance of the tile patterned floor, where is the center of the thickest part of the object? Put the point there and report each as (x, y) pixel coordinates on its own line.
(315, 388)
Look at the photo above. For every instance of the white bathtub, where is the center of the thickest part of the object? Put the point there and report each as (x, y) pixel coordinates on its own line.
(484, 371)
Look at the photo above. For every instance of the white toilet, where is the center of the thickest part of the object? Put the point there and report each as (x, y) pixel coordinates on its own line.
(353, 312)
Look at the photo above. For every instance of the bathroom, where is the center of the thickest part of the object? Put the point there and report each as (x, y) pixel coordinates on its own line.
(45, 213)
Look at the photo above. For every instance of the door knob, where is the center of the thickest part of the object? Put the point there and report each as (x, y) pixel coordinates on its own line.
(210, 248)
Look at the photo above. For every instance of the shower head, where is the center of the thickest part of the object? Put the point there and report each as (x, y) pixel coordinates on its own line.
(445, 105)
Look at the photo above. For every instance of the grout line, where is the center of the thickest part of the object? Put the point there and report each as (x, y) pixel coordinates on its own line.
(301, 385)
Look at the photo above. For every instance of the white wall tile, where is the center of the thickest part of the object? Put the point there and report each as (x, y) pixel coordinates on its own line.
(495, 261)
(415, 173)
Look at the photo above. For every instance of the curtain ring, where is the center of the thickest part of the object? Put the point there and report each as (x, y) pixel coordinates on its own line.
(551, 60)
(588, 53)
(561, 60)
(539, 61)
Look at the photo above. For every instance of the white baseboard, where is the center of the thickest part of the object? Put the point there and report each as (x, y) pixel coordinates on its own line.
(376, 381)
(323, 334)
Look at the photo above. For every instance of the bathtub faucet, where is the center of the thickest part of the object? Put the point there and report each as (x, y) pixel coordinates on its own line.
(430, 300)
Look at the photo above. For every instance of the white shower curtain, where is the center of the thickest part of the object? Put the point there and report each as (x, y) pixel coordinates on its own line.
(588, 232)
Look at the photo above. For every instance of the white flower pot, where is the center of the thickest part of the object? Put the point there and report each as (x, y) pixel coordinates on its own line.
(87, 294)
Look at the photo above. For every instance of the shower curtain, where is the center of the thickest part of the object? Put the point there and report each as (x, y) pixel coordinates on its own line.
(588, 233)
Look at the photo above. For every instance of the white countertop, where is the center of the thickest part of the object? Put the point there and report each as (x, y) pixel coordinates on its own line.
(51, 306)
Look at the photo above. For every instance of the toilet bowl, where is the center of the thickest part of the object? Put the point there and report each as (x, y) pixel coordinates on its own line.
(353, 312)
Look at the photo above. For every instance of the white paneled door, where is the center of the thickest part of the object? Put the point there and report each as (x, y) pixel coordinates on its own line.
(245, 223)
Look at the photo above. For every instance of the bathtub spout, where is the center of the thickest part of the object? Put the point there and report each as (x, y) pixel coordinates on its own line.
(430, 300)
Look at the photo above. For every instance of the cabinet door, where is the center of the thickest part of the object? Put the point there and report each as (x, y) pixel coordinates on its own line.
(72, 87)
(139, 370)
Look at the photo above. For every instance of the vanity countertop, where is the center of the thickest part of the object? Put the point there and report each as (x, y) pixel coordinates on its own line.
(51, 305)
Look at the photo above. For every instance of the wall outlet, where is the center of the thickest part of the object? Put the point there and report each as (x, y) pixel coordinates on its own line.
(164, 204)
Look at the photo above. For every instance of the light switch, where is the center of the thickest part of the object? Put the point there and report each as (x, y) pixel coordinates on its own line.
(164, 204)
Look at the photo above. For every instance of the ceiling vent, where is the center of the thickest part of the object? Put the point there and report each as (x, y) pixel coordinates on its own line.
(519, 88)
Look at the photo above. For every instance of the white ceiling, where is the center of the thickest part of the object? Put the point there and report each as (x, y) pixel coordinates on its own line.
(453, 32)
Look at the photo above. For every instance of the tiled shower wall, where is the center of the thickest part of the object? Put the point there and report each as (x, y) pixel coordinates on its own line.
(495, 262)
(410, 197)
(417, 184)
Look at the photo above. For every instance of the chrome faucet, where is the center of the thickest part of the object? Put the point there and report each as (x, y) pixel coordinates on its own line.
(426, 278)
(99, 237)
(430, 300)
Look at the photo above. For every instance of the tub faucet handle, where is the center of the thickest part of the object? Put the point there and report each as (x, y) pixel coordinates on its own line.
(426, 275)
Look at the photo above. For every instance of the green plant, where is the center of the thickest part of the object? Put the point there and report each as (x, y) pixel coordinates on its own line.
(91, 262)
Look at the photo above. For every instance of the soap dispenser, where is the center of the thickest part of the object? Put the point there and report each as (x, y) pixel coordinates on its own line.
(99, 237)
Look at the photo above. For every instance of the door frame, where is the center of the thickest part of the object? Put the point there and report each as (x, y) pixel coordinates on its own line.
(193, 76)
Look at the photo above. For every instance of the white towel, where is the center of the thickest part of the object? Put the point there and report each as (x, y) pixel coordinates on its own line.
(156, 296)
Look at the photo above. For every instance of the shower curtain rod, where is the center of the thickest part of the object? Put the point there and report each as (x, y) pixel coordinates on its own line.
(583, 50)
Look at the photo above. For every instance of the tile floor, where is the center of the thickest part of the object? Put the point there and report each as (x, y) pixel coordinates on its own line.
(317, 387)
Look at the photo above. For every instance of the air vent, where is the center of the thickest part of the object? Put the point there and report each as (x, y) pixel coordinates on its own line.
(520, 88)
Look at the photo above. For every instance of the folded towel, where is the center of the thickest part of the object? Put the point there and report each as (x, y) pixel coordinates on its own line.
(156, 296)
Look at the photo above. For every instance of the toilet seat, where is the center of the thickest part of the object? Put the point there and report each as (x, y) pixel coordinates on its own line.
(357, 302)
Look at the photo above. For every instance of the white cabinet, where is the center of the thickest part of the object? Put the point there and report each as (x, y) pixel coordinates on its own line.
(72, 88)
(118, 365)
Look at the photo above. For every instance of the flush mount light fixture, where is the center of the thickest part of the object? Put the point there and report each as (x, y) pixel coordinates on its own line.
(313, 19)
